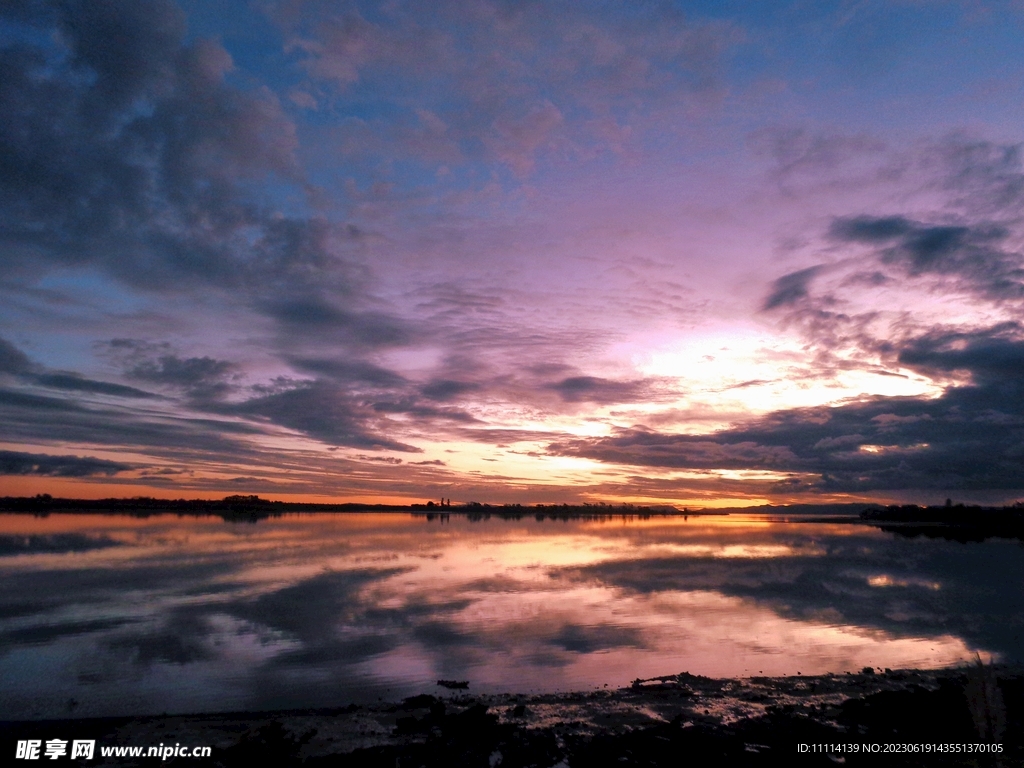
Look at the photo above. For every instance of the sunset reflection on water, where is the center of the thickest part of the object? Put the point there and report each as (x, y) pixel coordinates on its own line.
(178, 614)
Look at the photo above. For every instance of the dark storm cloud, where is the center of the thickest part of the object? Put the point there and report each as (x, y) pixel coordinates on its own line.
(18, 463)
(972, 437)
(971, 252)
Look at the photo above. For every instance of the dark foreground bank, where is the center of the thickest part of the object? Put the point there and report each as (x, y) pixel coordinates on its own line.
(896, 717)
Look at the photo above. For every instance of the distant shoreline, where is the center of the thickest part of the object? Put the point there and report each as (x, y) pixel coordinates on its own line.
(249, 505)
(1007, 518)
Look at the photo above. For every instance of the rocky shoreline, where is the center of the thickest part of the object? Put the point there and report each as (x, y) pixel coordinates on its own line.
(671, 720)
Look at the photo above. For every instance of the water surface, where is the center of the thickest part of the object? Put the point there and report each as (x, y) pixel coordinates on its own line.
(112, 615)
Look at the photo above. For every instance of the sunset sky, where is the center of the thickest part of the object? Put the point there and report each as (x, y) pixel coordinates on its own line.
(688, 253)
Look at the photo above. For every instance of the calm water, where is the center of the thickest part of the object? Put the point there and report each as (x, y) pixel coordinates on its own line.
(167, 614)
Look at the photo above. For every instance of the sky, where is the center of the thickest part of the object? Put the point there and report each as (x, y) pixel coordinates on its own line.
(699, 254)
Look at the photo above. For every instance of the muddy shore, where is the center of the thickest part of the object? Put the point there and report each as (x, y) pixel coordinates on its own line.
(672, 720)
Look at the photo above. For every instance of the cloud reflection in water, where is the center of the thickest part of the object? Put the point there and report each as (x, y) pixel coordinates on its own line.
(175, 614)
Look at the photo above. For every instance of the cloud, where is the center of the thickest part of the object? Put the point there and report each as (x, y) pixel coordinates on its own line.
(986, 177)
(871, 229)
(17, 463)
(180, 639)
(142, 169)
(202, 378)
(379, 459)
(49, 633)
(517, 140)
(799, 154)
(321, 410)
(413, 408)
(579, 638)
(500, 82)
(968, 438)
(994, 357)
(72, 382)
(344, 410)
(834, 584)
(576, 389)
(935, 291)
(54, 543)
(789, 289)
(308, 315)
(970, 252)
(299, 610)
(12, 359)
(447, 389)
(352, 372)
(127, 151)
(124, 146)
(34, 417)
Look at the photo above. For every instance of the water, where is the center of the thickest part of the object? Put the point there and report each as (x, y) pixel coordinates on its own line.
(114, 615)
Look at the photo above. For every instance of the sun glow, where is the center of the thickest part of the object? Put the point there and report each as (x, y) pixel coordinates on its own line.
(750, 371)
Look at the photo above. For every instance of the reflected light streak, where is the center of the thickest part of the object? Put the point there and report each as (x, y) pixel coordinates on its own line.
(885, 580)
